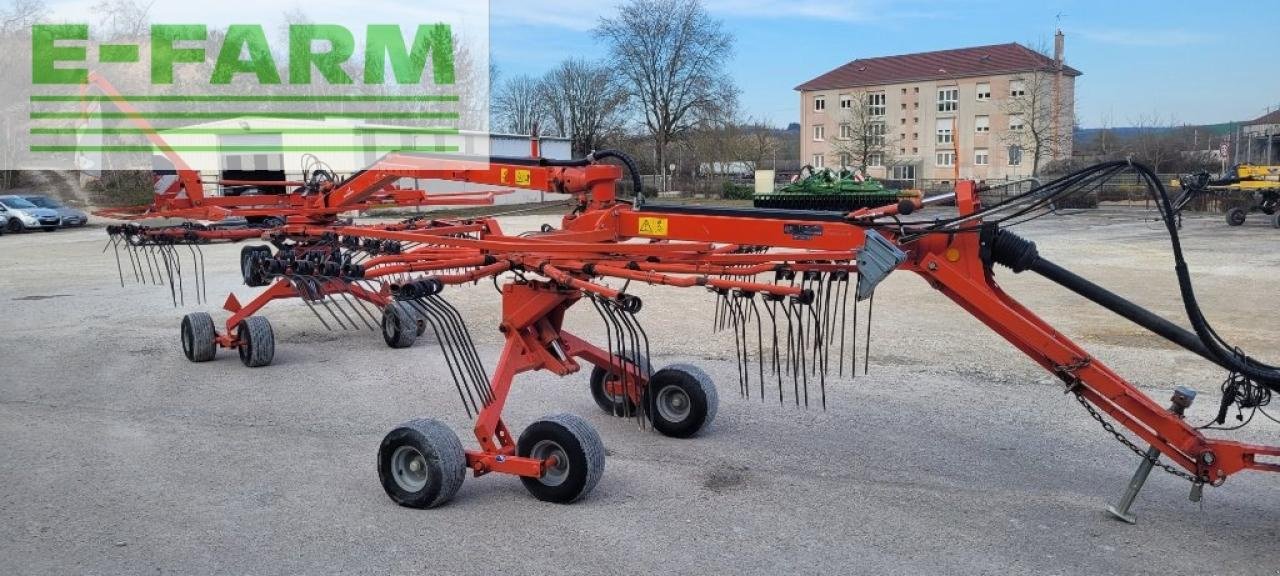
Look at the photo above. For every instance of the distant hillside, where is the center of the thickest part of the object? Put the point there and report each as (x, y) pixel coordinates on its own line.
(1085, 136)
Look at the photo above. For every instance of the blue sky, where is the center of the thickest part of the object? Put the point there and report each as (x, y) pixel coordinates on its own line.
(1179, 61)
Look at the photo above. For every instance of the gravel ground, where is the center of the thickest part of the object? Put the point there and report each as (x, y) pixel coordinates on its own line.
(956, 455)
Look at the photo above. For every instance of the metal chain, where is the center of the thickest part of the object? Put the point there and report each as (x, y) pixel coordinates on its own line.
(1121, 438)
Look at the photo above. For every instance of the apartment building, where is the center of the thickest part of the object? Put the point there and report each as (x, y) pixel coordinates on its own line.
(974, 109)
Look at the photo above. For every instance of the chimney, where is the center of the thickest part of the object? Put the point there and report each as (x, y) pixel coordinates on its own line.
(1057, 48)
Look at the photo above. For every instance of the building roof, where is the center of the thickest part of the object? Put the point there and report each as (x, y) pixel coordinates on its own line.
(1271, 118)
(941, 65)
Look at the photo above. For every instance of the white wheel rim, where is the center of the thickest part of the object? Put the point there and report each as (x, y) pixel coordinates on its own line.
(673, 404)
(556, 474)
(409, 469)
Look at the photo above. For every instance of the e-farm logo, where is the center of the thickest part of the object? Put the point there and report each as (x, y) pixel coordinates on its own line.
(383, 42)
(239, 96)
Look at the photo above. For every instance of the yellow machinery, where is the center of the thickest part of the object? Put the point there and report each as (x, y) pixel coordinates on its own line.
(1262, 183)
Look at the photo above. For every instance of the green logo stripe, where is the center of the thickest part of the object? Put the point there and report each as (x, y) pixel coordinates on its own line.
(370, 148)
(233, 115)
(245, 98)
(178, 131)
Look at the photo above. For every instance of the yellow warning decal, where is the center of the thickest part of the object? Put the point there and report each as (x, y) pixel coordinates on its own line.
(522, 177)
(502, 176)
(653, 226)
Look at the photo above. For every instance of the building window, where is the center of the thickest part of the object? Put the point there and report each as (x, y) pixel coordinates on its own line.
(904, 172)
(846, 101)
(818, 161)
(948, 99)
(915, 150)
(1015, 122)
(945, 158)
(819, 103)
(902, 150)
(915, 135)
(845, 160)
(877, 130)
(904, 105)
(915, 105)
(1017, 89)
(875, 159)
(981, 123)
(904, 90)
(944, 131)
(1015, 155)
(846, 131)
(876, 104)
(902, 136)
(902, 121)
(819, 133)
(984, 91)
(915, 120)
(981, 157)
(917, 89)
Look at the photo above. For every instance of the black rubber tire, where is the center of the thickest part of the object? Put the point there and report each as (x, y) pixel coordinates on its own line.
(439, 452)
(612, 405)
(1275, 220)
(253, 277)
(272, 222)
(578, 442)
(685, 386)
(1236, 216)
(199, 337)
(15, 226)
(399, 325)
(257, 345)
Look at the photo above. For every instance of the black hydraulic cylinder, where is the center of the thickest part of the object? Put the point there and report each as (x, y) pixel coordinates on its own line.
(1113, 302)
(1019, 254)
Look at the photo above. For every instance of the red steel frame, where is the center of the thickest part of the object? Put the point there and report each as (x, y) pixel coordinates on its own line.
(533, 312)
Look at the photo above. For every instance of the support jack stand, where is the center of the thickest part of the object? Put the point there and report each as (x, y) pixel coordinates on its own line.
(1182, 399)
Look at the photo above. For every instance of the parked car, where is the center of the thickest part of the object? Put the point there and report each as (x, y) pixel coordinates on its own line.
(70, 216)
(4, 222)
(24, 215)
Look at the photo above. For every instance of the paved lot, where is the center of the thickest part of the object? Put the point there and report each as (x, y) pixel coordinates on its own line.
(954, 456)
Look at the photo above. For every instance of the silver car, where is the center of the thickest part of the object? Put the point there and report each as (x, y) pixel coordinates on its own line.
(71, 217)
(24, 215)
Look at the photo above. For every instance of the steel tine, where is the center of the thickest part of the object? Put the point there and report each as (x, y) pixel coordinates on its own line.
(195, 272)
(115, 248)
(755, 310)
(608, 335)
(446, 348)
(786, 309)
(844, 306)
(632, 324)
(621, 358)
(853, 333)
(822, 371)
(318, 295)
(347, 298)
(866, 356)
(771, 308)
(467, 347)
(457, 383)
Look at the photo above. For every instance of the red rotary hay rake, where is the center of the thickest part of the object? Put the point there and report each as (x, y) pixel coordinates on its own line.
(784, 276)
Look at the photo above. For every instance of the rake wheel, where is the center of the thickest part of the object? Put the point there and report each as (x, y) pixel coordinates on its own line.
(617, 405)
(1236, 216)
(400, 325)
(578, 457)
(257, 342)
(248, 270)
(198, 337)
(421, 464)
(682, 400)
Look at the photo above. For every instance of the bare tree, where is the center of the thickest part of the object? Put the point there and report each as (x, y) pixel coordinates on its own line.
(583, 102)
(672, 54)
(1031, 109)
(122, 19)
(518, 105)
(863, 136)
